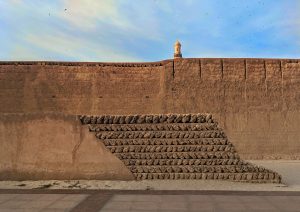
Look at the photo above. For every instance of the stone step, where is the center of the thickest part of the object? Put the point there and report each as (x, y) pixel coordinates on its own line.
(173, 148)
(161, 162)
(179, 155)
(150, 119)
(161, 134)
(163, 141)
(197, 169)
(242, 177)
(153, 127)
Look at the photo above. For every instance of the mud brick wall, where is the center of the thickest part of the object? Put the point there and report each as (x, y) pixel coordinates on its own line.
(75, 88)
(174, 146)
(256, 101)
(37, 146)
(53, 146)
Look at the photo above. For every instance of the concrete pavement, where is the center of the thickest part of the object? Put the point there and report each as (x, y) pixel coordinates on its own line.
(290, 171)
(156, 195)
(182, 203)
(146, 201)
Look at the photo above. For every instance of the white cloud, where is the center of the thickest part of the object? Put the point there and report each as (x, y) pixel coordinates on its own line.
(87, 13)
(119, 30)
(133, 19)
(46, 34)
(296, 19)
(57, 43)
(22, 53)
(16, 2)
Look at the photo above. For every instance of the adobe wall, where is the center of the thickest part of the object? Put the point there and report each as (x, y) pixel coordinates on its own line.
(256, 101)
(54, 146)
(175, 146)
(79, 88)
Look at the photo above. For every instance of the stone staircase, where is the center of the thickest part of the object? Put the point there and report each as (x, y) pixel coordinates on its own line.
(175, 146)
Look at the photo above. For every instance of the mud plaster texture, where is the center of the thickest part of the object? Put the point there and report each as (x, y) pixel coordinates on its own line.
(175, 146)
(54, 146)
(256, 101)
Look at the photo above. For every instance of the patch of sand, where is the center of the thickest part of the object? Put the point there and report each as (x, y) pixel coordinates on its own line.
(290, 171)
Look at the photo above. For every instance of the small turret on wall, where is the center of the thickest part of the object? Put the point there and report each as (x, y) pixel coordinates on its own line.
(177, 50)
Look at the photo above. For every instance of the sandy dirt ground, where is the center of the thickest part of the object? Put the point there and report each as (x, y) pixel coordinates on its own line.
(290, 171)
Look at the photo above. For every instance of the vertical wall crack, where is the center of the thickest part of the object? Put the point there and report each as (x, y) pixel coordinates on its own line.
(76, 147)
(282, 89)
(265, 69)
(266, 84)
(245, 69)
(173, 71)
(200, 69)
(222, 69)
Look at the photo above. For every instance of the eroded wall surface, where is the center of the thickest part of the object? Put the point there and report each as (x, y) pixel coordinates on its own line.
(79, 88)
(256, 101)
(175, 146)
(53, 146)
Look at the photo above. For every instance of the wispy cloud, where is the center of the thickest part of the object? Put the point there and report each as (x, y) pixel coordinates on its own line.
(88, 14)
(73, 47)
(48, 34)
(130, 20)
(123, 30)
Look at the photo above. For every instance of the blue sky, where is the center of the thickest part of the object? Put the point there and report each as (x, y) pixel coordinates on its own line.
(145, 30)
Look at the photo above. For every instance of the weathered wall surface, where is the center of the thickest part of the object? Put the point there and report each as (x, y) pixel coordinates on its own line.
(256, 101)
(79, 88)
(53, 146)
(174, 146)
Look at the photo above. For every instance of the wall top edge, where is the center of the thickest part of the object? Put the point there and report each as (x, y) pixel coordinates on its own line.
(72, 63)
(134, 64)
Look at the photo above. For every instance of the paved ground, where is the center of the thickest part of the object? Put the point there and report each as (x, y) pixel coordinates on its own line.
(146, 201)
(156, 195)
(39, 202)
(290, 171)
(135, 203)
